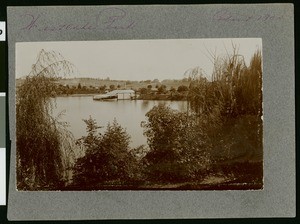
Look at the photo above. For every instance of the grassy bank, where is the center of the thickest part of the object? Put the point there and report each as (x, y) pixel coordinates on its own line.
(236, 176)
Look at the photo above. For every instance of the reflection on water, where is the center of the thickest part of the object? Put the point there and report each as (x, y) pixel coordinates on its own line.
(145, 104)
(128, 113)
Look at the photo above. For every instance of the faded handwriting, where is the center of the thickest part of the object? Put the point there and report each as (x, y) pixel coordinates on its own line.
(228, 16)
(110, 18)
(114, 18)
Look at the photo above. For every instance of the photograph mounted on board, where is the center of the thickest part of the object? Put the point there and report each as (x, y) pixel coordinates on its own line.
(172, 114)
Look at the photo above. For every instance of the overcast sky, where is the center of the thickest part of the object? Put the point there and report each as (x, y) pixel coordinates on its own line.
(135, 59)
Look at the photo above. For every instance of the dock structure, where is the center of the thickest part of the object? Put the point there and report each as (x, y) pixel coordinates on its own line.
(119, 94)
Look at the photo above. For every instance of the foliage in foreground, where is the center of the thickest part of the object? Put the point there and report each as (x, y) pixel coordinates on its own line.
(107, 158)
(221, 128)
(178, 147)
(224, 125)
(44, 146)
(230, 106)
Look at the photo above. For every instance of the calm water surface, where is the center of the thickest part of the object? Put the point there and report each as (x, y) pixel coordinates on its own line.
(128, 113)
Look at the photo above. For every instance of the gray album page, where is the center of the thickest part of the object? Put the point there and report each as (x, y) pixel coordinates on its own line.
(205, 92)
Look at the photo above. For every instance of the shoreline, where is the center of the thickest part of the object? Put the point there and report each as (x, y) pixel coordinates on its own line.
(77, 95)
(155, 97)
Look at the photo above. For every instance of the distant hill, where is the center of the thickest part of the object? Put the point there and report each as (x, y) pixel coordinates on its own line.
(93, 82)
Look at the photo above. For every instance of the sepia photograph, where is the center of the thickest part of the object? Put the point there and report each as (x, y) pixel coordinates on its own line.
(161, 114)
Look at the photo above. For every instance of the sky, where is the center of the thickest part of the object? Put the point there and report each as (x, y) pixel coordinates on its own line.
(136, 59)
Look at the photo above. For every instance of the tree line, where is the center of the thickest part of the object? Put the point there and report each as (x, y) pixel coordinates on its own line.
(60, 89)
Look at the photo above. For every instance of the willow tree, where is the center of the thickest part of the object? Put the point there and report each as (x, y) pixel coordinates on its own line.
(44, 146)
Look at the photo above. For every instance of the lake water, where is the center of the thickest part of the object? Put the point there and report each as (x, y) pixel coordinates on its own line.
(128, 113)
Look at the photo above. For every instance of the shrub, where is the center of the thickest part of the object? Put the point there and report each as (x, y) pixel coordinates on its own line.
(107, 160)
(177, 145)
(182, 88)
(223, 122)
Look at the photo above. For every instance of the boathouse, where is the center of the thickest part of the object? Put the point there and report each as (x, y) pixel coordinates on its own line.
(122, 94)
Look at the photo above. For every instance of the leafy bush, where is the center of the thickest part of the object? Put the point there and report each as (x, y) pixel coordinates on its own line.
(223, 122)
(108, 159)
(177, 145)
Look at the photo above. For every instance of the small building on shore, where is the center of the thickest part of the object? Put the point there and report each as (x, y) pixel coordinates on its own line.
(119, 94)
(122, 94)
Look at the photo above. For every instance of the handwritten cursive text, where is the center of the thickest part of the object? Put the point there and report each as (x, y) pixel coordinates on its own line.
(110, 18)
(228, 16)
